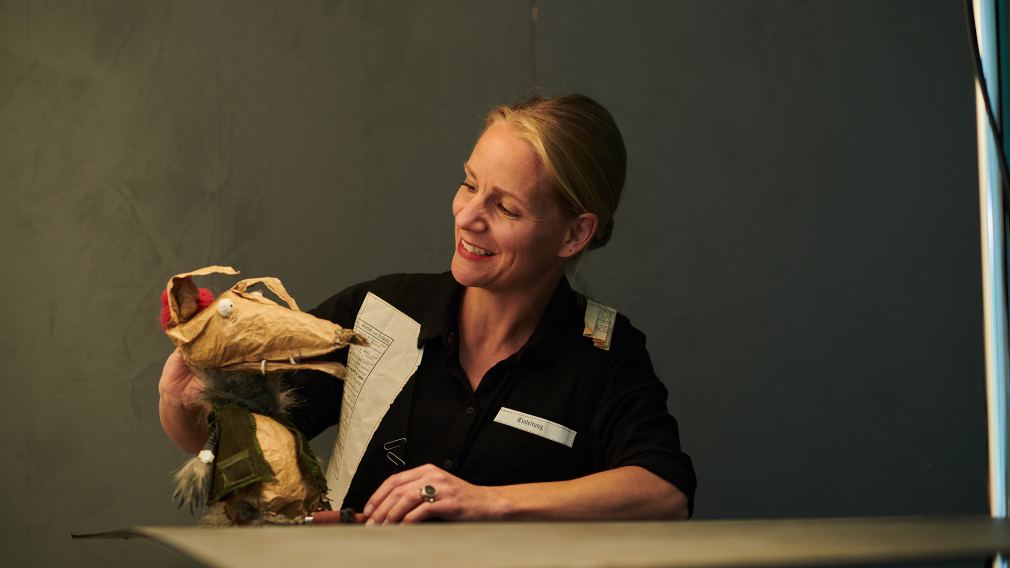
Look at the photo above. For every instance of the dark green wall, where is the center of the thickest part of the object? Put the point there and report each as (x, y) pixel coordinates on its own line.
(799, 236)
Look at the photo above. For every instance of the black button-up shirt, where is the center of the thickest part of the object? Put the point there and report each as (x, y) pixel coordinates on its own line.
(612, 400)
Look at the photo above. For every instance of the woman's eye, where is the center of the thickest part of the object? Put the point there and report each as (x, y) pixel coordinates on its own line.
(507, 212)
(469, 187)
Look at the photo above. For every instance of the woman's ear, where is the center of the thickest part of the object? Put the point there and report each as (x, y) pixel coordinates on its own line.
(580, 234)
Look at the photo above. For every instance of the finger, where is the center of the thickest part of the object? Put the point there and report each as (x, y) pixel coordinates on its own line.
(409, 501)
(174, 367)
(192, 394)
(178, 384)
(390, 484)
(425, 511)
(175, 371)
(177, 363)
(381, 510)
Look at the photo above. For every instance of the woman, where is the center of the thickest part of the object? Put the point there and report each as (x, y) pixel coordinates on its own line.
(513, 413)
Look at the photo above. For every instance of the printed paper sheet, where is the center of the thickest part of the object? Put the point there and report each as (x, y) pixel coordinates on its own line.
(376, 373)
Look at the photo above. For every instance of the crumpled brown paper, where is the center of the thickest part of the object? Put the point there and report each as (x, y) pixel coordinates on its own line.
(245, 331)
(287, 493)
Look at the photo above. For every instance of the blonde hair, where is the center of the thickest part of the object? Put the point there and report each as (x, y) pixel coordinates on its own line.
(581, 148)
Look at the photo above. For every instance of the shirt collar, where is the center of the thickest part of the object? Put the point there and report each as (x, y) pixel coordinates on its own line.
(556, 321)
(440, 317)
(443, 305)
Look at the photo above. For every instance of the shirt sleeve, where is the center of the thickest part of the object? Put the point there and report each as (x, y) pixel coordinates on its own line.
(632, 425)
(319, 395)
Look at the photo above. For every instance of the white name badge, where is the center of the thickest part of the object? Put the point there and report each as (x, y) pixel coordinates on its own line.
(537, 426)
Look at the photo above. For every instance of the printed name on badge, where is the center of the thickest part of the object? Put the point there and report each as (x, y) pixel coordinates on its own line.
(537, 426)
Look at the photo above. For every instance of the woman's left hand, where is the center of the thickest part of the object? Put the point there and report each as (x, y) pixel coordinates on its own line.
(399, 498)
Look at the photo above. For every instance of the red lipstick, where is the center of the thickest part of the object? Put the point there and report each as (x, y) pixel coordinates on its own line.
(469, 255)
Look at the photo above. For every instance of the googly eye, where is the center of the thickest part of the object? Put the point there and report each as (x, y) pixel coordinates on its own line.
(225, 307)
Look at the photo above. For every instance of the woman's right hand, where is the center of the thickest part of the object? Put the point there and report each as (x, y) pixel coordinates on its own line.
(179, 383)
(181, 407)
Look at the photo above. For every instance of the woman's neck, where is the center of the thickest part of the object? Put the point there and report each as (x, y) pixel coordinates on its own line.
(495, 321)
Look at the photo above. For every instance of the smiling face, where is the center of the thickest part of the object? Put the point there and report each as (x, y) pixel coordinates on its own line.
(511, 233)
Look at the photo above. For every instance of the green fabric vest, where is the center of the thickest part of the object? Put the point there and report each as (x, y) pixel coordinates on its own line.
(239, 460)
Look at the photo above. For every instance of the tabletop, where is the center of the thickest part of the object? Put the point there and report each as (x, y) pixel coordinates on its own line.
(795, 542)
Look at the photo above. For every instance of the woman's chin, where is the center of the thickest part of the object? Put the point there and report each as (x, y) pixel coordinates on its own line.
(461, 275)
(467, 275)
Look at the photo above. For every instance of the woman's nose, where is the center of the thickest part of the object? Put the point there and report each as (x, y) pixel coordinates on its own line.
(471, 215)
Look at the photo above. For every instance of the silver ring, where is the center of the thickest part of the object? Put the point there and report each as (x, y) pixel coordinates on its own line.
(428, 494)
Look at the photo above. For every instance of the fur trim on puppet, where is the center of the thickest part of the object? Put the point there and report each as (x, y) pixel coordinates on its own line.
(260, 394)
(192, 484)
(194, 479)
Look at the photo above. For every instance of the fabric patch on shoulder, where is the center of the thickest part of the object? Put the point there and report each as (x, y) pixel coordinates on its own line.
(599, 322)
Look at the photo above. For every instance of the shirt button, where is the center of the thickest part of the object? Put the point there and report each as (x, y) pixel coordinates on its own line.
(447, 464)
(469, 410)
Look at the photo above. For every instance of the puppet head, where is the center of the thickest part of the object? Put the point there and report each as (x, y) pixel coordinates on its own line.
(243, 330)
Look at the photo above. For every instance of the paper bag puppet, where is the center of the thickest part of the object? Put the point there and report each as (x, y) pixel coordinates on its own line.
(256, 467)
